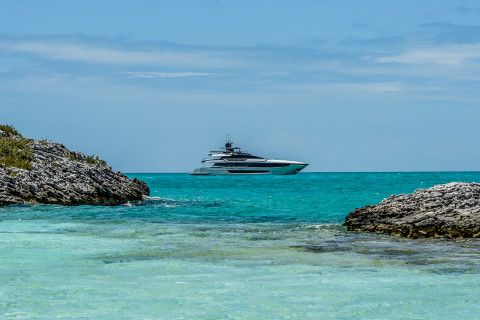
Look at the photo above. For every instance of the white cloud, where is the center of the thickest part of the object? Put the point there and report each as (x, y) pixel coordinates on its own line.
(95, 54)
(274, 74)
(379, 87)
(151, 75)
(446, 55)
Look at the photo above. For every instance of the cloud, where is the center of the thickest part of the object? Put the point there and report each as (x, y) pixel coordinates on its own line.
(380, 87)
(247, 70)
(432, 34)
(468, 10)
(274, 74)
(151, 75)
(443, 55)
(88, 53)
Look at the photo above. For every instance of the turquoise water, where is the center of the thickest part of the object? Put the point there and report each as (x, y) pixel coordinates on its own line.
(255, 247)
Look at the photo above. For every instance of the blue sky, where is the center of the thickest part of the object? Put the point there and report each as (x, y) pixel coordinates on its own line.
(152, 86)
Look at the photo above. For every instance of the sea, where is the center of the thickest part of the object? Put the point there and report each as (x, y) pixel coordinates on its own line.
(234, 247)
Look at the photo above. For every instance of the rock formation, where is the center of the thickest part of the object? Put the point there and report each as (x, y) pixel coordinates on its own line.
(47, 172)
(444, 211)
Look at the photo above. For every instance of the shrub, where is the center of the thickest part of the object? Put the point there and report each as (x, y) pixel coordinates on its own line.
(92, 159)
(15, 152)
(72, 156)
(10, 130)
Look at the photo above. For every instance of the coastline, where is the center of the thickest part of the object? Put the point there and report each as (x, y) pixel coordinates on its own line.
(41, 171)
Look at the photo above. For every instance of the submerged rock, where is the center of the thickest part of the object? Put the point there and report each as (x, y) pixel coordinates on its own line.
(444, 211)
(48, 172)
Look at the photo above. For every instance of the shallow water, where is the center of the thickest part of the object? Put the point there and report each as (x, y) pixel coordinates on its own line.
(261, 247)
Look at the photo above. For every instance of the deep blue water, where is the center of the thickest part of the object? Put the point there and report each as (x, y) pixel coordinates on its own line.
(242, 247)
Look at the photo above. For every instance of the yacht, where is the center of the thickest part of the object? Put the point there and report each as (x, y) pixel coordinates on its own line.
(232, 161)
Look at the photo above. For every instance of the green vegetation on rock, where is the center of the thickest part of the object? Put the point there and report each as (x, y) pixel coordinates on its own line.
(92, 159)
(9, 130)
(72, 156)
(14, 149)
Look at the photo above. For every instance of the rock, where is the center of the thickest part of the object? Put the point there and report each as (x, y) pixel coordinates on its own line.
(62, 176)
(444, 211)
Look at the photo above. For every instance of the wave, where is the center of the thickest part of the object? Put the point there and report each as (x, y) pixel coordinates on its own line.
(171, 203)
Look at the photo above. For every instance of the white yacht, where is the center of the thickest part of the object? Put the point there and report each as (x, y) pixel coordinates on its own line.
(232, 161)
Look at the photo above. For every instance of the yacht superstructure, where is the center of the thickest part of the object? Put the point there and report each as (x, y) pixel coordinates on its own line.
(232, 160)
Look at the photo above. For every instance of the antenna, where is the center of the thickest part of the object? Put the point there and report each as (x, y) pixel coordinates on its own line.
(228, 144)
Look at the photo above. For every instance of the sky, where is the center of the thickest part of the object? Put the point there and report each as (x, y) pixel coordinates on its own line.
(153, 86)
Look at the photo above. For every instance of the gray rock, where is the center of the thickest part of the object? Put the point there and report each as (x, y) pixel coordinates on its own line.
(444, 211)
(66, 177)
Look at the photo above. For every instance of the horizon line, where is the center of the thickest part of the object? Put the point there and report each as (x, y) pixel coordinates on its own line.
(423, 171)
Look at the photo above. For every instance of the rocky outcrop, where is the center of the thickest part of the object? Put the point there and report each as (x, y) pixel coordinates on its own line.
(57, 175)
(444, 211)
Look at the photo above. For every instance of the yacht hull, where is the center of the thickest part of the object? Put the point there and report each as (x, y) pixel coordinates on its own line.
(222, 171)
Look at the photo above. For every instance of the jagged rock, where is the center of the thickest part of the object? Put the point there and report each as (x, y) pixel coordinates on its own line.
(63, 176)
(444, 211)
